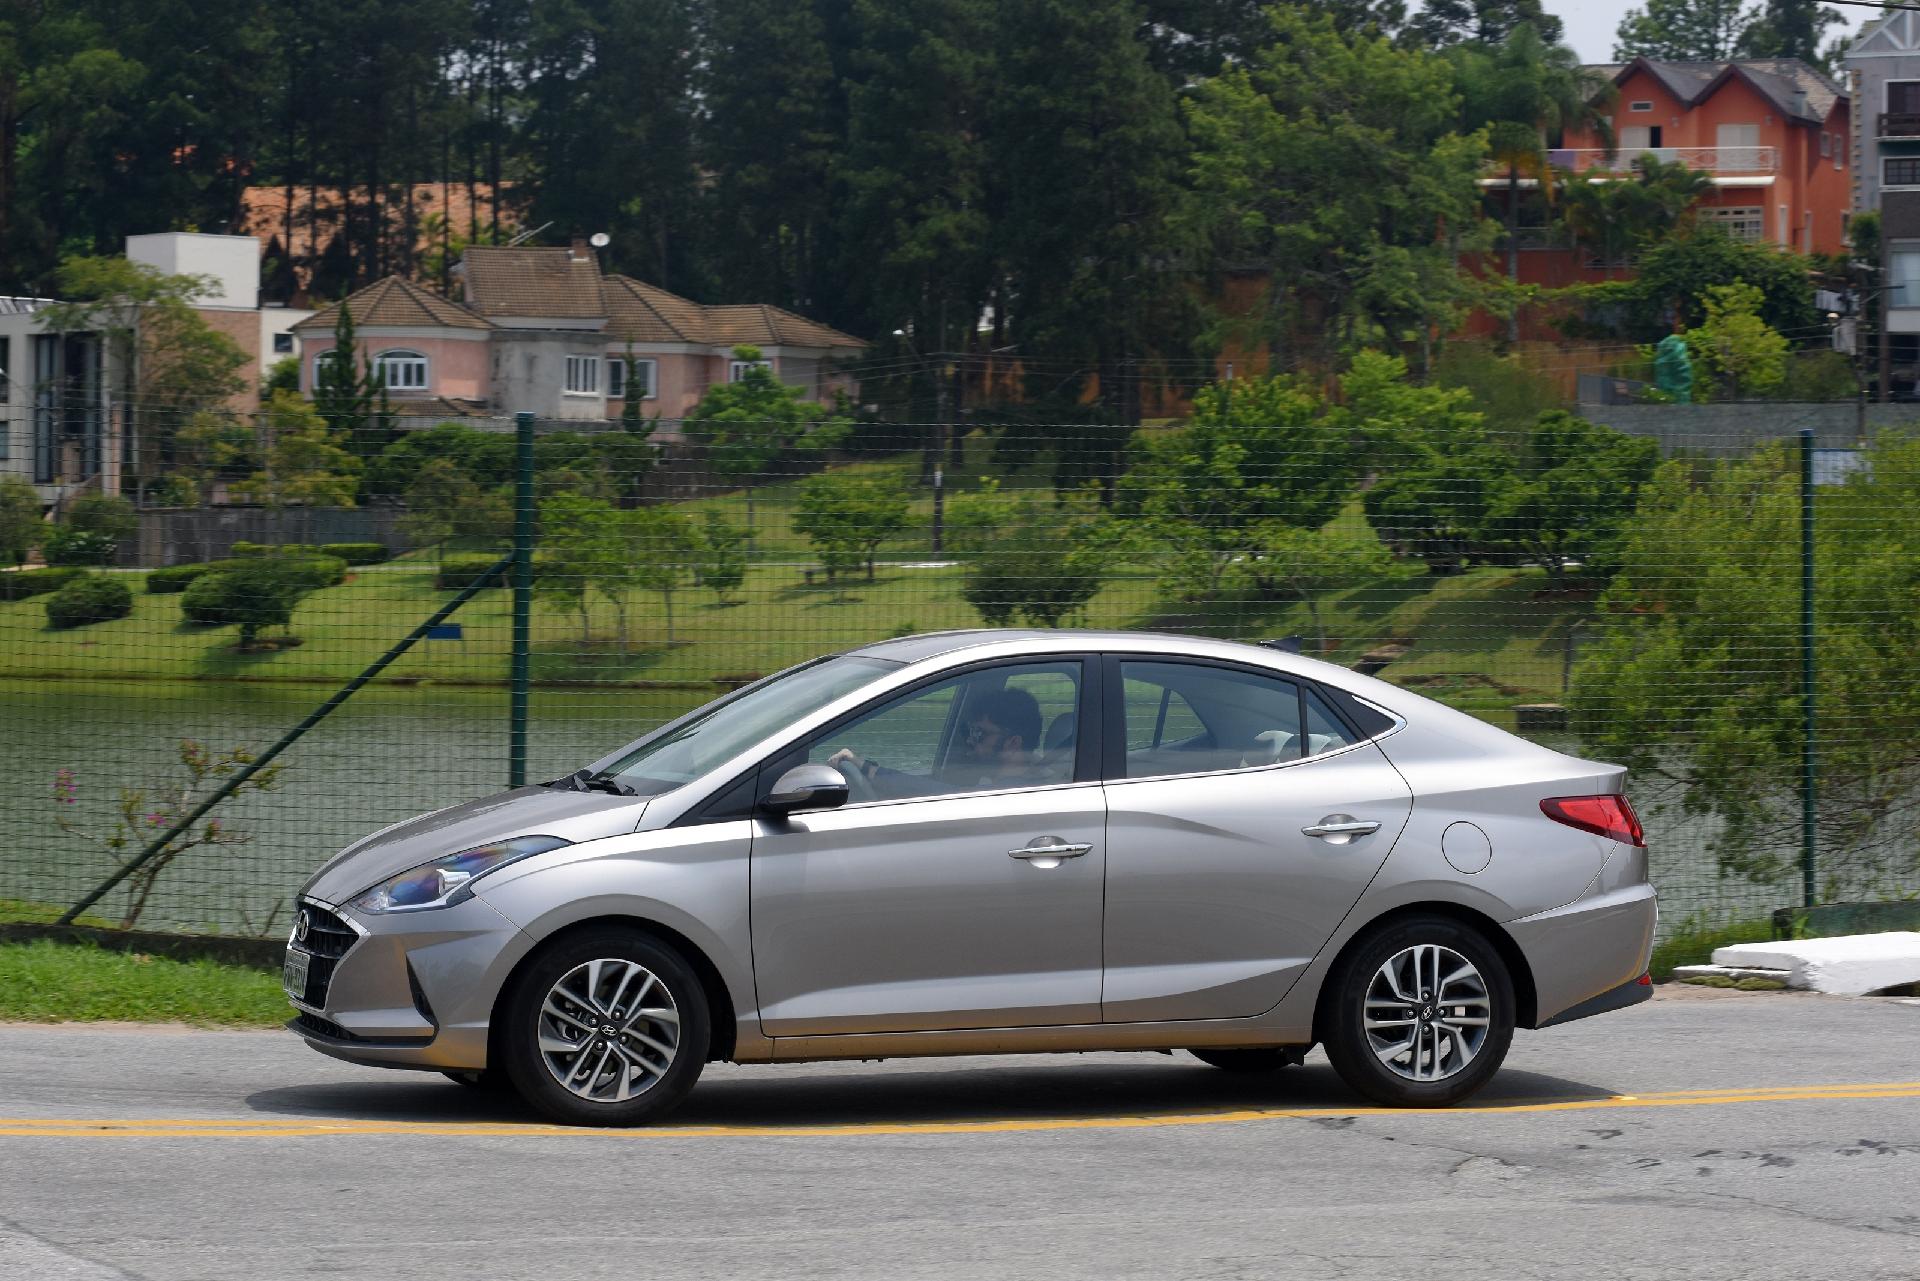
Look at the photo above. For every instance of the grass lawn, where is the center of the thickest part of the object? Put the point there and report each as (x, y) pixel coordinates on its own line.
(44, 981)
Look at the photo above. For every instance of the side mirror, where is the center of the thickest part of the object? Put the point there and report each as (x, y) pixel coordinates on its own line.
(807, 787)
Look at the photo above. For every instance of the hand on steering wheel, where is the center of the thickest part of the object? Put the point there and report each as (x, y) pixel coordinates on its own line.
(859, 786)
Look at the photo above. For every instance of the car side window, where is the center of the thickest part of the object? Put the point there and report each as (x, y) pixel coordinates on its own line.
(1190, 718)
(985, 730)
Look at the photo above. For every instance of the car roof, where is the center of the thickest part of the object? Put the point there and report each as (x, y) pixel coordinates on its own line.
(914, 649)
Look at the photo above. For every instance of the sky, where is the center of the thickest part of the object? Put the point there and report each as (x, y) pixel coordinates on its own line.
(1591, 23)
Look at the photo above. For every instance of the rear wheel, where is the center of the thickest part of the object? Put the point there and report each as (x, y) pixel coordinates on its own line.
(1420, 1014)
(1263, 1059)
(609, 1027)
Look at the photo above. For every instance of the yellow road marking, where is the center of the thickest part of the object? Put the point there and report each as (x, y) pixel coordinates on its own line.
(306, 1127)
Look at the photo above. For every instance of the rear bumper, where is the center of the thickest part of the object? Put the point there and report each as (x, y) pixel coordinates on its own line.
(1619, 998)
(1587, 950)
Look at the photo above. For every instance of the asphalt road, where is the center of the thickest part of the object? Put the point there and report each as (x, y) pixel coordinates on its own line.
(1700, 1135)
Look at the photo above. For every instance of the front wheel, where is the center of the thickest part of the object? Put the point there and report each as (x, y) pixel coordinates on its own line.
(608, 1027)
(1420, 1014)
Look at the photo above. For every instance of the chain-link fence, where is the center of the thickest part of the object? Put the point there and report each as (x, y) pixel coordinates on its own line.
(1689, 604)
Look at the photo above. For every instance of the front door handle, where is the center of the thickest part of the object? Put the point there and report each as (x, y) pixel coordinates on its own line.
(1048, 851)
(1339, 829)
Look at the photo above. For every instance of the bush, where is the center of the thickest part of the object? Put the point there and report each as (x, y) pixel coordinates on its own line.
(104, 514)
(66, 545)
(244, 550)
(357, 553)
(457, 572)
(316, 571)
(36, 582)
(90, 598)
(251, 594)
(175, 578)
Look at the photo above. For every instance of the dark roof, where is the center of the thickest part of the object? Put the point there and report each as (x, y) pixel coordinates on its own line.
(765, 326)
(640, 312)
(396, 303)
(551, 284)
(1780, 80)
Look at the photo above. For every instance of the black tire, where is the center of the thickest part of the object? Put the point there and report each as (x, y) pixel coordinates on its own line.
(1267, 1058)
(1346, 1039)
(528, 1066)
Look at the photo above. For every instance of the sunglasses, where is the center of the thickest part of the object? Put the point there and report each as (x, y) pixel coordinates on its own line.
(978, 732)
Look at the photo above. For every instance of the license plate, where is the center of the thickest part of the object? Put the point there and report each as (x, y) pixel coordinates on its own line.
(294, 976)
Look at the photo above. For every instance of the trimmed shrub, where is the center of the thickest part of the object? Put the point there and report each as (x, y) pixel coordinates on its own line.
(251, 594)
(90, 598)
(244, 550)
(457, 572)
(175, 578)
(357, 553)
(65, 545)
(36, 582)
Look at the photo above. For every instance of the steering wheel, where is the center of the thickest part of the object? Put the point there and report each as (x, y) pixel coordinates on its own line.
(859, 786)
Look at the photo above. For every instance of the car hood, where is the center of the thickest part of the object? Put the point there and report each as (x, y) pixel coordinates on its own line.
(525, 811)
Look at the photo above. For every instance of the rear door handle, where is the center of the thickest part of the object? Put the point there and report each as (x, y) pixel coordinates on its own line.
(1048, 851)
(1339, 829)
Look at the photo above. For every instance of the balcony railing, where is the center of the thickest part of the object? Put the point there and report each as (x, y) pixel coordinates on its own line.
(1719, 160)
(1900, 124)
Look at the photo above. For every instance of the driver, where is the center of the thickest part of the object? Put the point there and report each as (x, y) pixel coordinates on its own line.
(1002, 728)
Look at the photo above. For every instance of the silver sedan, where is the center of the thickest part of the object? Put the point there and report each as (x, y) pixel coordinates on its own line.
(995, 841)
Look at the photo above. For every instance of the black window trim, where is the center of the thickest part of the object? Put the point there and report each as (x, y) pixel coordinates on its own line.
(1113, 758)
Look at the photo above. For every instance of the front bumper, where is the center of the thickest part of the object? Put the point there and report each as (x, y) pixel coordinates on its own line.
(413, 989)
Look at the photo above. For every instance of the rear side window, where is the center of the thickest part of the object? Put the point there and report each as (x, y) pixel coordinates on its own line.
(1189, 718)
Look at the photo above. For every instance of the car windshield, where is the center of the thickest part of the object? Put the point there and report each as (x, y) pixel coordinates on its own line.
(724, 729)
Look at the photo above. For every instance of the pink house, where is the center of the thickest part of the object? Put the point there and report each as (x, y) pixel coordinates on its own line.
(543, 330)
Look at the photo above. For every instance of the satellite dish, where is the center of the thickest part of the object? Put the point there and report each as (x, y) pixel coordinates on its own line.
(600, 240)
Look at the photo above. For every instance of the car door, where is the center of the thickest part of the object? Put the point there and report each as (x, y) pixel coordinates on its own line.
(960, 886)
(1244, 819)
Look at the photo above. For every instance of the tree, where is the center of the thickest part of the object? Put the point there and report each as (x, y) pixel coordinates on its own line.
(1524, 91)
(1038, 558)
(660, 546)
(1616, 220)
(445, 504)
(1695, 687)
(1442, 23)
(1682, 30)
(1735, 347)
(21, 525)
(745, 425)
(350, 393)
(1571, 495)
(1330, 162)
(301, 463)
(720, 557)
(1675, 276)
(212, 446)
(847, 517)
(1311, 562)
(1790, 29)
(253, 594)
(168, 363)
(1257, 453)
(582, 556)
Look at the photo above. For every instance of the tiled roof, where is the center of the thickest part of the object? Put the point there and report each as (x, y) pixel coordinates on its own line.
(639, 312)
(766, 326)
(552, 284)
(396, 303)
(1779, 80)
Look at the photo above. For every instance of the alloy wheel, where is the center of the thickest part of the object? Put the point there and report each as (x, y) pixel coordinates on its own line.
(1427, 1013)
(609, 1030)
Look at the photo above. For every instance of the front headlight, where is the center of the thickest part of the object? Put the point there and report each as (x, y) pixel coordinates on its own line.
(449, 880)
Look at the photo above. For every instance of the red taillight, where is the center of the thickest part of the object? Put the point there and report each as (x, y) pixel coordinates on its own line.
(1608, 816)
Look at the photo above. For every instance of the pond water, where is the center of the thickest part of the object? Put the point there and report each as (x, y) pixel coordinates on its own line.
(391, 752)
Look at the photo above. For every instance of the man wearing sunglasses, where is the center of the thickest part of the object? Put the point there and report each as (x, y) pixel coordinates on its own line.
(1001, 734)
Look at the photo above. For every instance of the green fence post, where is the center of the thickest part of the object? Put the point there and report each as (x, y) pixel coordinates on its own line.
(1809, 698)
(521, 674)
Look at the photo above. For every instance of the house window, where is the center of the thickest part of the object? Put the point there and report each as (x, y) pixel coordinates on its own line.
(282, 344)
(1903, 273)
(736, 370)
(320, 364)
(1826, 143)
(1640, 104)
(1902, 171)
(643, 371)
(583, 375)
(402, 370)
(6, 384)
(1839, 151)
(1742, 222)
